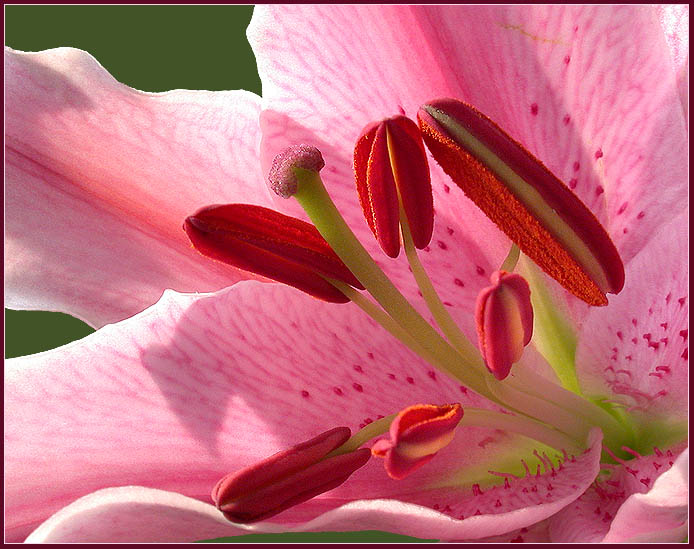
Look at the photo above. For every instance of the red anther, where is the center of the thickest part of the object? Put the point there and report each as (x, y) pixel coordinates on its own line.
(389, 159)
(416, 435)
(504, 317)
(287, 478)
(271, 244)
(515, 190)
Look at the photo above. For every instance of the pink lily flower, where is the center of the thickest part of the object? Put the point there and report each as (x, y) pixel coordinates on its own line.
(122, 435)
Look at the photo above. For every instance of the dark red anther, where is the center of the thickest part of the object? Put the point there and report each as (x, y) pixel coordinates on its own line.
(287, 478)
(504, 318)
(390, 160)
(270, 244)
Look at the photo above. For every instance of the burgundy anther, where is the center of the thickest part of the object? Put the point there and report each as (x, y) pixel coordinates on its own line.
(390, 160)
(287, 478)
(270, 244)
(504, 316)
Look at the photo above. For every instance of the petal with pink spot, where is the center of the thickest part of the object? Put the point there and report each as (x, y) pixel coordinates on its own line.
(635, 350)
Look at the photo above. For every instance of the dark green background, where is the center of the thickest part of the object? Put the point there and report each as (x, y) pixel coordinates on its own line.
(151, 48)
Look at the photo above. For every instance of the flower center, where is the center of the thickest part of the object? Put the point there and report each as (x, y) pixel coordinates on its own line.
(326, 260)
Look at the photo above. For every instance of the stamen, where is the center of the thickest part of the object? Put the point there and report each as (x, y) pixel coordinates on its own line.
(271, 244)
(523, 426)
(404, 322)
(527, 381)
(443, 318)
(511, 259)
(390, 166)
(416, 434)
(314, 199)
(516, 191)
(287, 478)
(553, 336)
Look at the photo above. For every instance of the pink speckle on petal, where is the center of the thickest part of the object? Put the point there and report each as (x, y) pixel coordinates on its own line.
(573, 183)
(577, 166)
(622, 208)
(442, 245)
(410, 380)
(566, 120)
(641, 215)
(304, 393)
(358, 387)
(598, 154)
(458, 282)
(567, 59)
(337, 391)
(480, 270)
(534, 109)
(599, 190)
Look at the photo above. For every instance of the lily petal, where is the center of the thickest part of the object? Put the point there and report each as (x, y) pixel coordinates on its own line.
(334, 118)
(643, 500)
(134, 514)
(142, 514)
(177, 396)
(637, 352)
(137, 513)
(675, 22)
(661, 514)
(570, 87)
(99, 178)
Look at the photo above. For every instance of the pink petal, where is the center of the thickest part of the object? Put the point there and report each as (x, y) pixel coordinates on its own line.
(546, 74)
(659, 515)
(199, 386)
(141, 514)
(100, 177)
(134, 514)
(675, 22)
(331, 112)
(643, 500)
(635, 350)
(177, 396)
